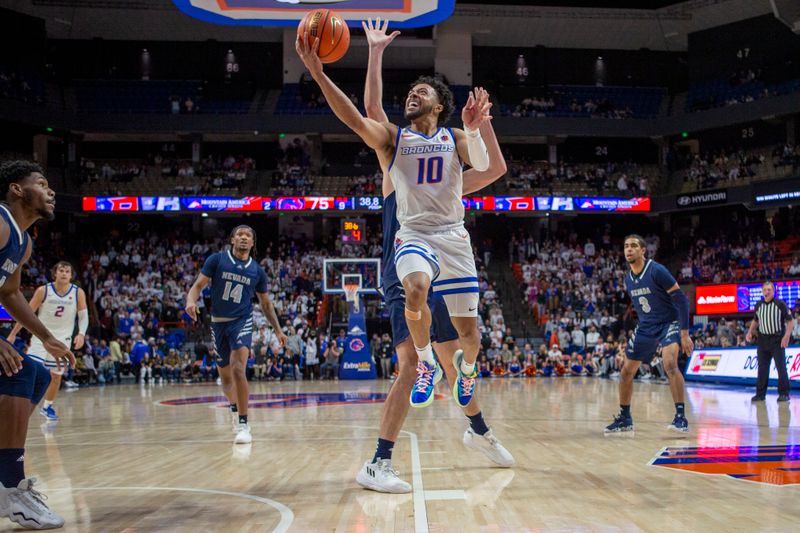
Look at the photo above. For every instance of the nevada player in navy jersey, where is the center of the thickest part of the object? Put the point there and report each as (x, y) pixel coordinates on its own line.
(23, 381)
(378, 474)
(235, 279)
(663, 312)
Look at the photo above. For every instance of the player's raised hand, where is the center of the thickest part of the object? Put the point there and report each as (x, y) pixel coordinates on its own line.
(377, 38)
(308, 54)
(59, 351)
(10, 359)
(191, 310)
(476, 110)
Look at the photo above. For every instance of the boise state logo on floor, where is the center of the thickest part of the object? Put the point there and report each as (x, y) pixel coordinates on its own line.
(290, 400)
(775, 465)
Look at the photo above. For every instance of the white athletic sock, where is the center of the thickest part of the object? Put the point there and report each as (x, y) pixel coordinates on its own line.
(467, 368)
(425, 354)
(47, 403)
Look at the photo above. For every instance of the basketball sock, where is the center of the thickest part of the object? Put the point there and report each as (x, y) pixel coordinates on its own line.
(478, 424)
(12, 466)
(625, 410)
(233, 408)
(679, 409)
(47, 403)
(467, 368)
(243, 419)
(425, 354)
(384, 450)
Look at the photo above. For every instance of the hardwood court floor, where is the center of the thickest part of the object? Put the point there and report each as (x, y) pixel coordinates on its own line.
(120, 460)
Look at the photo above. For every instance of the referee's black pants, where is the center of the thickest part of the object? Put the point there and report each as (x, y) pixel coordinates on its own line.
(769, 349)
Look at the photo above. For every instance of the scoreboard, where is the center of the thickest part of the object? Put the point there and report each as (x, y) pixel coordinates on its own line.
(354, 230)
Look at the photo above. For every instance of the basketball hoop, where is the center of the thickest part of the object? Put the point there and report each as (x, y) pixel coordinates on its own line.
(351, 294)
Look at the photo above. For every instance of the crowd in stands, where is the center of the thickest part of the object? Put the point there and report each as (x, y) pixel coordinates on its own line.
(723, 168)
(209, 174)
(786, 155)
(291, 178)
(14, 86)
(542, 106)
(617, 179)
(733, 257)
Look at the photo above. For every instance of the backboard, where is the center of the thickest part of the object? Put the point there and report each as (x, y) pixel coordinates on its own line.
(339, 271)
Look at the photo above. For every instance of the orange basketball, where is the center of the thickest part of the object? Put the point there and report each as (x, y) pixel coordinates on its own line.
(332, 31)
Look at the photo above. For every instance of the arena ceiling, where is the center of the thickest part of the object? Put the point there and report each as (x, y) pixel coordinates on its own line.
(622, 24)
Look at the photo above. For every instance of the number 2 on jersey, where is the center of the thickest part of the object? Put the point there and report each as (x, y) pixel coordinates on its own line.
(233, 291)
(430, 170)
(59, 311)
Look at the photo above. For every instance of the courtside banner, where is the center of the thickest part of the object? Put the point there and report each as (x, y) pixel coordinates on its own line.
(738, 365)
(401, 13)
(735, 298)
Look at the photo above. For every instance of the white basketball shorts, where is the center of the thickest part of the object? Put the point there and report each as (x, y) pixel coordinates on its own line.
(37, 352)
(446, 256)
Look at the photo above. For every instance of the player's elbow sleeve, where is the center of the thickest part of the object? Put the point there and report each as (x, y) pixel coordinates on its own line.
(681, 303)
(476, 148)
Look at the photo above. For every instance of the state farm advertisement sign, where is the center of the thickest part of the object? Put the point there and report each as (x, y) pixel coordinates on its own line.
(716, 299)
(737, 364)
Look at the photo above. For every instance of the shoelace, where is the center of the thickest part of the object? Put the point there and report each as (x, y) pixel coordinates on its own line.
(424, 377)
(37, 497)
(467, 386)
(385, 466)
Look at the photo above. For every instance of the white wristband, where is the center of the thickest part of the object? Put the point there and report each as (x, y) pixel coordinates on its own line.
(478, 155)
(83, 321)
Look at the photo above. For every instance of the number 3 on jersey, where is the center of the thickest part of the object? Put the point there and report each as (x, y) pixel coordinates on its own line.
(233, 291)
(430, 170)
(645, 304)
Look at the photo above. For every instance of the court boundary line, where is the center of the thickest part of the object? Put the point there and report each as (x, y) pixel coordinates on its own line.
(420, 509)
(287, 516)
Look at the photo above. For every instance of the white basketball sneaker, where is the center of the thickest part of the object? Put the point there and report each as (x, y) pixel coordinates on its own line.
(243, 435)
(381, 477)
(25, 506)
(489, 446)
(235, 422)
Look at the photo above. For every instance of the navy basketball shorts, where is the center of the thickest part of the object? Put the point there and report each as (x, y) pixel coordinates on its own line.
(30, 382)
(442, 329)
(230, 336)
(642, 346)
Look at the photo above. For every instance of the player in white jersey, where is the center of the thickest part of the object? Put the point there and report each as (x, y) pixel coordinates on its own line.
(57, 305)
(432, 247)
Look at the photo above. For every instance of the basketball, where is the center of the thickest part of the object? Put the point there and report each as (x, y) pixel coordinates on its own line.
(326, 25)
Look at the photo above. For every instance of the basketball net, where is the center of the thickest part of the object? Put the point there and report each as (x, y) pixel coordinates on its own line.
(351, 295)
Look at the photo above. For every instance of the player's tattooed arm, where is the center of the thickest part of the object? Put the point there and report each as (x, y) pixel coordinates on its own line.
(272, 317)
(36, 301)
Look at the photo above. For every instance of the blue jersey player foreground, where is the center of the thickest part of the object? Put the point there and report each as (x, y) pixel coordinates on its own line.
(23, 381)
(235, 279)
(663, 312)
(378, 474)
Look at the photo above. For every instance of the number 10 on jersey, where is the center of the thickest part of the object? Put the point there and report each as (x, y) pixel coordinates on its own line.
(430, 170)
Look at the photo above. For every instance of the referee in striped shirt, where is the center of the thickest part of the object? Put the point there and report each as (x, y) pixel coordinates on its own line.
(775, 324)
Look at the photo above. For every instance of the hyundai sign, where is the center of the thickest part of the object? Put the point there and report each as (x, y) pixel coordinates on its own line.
(737, 365)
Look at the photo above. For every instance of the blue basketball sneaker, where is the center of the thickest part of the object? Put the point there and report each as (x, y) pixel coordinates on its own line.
(621, 424)
(49, 413)
(464, 387)
(422, 393)
(679, 423)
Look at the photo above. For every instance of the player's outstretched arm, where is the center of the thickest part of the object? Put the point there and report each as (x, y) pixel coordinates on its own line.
(35, 303)
(378, 40)
(376, 135)
(17, 306)
(469, 142)
(272, 317)
(475, 180)
(194, 295)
